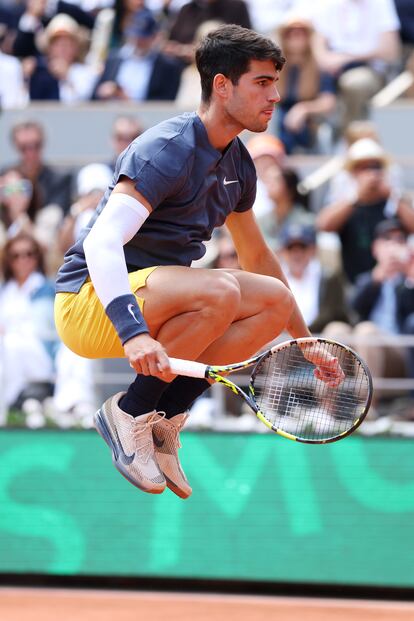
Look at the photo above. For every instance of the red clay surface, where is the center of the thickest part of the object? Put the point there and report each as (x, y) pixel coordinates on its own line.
(74, 605)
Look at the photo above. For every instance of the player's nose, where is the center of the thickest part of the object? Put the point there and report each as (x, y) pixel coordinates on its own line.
(274, 96)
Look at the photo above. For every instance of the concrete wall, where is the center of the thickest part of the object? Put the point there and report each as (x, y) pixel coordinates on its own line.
(78, 135)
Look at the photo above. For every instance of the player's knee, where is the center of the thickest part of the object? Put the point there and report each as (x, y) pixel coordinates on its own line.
(221, 298)
(277, 312)
(280, 302)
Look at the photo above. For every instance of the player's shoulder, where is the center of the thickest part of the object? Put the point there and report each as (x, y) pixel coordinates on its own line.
(169, 145)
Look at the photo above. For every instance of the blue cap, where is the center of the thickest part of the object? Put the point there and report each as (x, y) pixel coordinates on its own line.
(390, 225)
(298, 233)
(143, 24)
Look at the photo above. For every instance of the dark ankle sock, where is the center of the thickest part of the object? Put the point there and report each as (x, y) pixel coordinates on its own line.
(180, 395)
(142, 395)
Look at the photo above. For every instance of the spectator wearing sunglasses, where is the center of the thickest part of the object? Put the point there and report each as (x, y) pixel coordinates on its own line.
(124, 130)
(355, 217)
(53, 187)
(342, 183)
(20, 209)
(27, 333)
(18, 203)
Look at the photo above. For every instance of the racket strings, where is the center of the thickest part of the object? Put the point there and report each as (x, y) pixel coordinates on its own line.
(293, 400)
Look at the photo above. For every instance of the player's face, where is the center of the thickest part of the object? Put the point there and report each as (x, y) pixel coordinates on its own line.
(251, 102)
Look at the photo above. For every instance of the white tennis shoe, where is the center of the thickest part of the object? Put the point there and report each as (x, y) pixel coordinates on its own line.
(166, 437)
(132, 445)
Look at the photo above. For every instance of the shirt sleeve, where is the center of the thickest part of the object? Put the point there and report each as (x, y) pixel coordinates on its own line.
(159, 176)
(249, 195)
(249, 184)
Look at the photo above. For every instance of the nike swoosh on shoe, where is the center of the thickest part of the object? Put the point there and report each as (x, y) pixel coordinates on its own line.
(126, 459)
(159, 443)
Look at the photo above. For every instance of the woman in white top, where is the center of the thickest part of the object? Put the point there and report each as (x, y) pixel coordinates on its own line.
(27, 333)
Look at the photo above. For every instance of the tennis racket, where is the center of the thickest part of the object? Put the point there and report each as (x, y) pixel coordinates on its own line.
(311, 390)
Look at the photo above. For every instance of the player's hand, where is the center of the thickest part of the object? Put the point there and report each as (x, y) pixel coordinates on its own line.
(147, 356)
(327, 369)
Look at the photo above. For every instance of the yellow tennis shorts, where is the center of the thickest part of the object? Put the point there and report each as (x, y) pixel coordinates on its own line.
(83, 325)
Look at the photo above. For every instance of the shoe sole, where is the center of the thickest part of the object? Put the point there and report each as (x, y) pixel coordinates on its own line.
(103, 430)
(177, 490)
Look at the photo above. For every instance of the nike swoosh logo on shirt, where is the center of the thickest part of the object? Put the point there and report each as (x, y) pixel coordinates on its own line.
(126, 459)
(225, 182)
(131, 311)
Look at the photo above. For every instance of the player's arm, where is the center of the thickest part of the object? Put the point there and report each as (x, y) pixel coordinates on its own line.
(121, 218)
(256, 256)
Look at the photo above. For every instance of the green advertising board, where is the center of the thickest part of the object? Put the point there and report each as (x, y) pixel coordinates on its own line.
(262, 509)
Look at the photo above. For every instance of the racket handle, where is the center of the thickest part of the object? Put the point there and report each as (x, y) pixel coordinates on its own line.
(188, 367)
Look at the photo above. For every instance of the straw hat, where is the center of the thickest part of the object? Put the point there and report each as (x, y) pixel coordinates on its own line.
(365, 149)
(61, 24)
(294, 20)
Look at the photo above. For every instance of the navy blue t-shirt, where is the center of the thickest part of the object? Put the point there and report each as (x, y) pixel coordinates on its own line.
(191, 186)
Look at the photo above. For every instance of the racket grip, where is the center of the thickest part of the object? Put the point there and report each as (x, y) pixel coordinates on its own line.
(188, 367)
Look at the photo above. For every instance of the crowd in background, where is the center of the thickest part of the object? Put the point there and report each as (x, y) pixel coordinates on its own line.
(349, 260)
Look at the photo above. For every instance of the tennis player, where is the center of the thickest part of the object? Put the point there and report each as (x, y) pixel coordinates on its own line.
(127, 288)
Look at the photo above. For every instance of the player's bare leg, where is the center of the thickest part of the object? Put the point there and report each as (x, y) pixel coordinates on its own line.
(235, 312)
(186, 310)
(266, 306)
(263, 310)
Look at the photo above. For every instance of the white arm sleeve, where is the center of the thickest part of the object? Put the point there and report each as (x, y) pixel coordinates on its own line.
(117, 223)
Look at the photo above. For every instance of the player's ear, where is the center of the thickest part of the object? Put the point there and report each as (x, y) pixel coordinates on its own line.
(221, 85)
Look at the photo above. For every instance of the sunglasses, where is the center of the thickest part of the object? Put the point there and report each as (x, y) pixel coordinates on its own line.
(297, 245)
(296, 30)
(23, 186)
(124, 137)
(369, 166)
(29, 146)
(24, 254)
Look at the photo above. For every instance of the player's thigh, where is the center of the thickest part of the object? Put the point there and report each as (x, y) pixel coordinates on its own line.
(162, 293)
(261, 293)
(174, 290)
